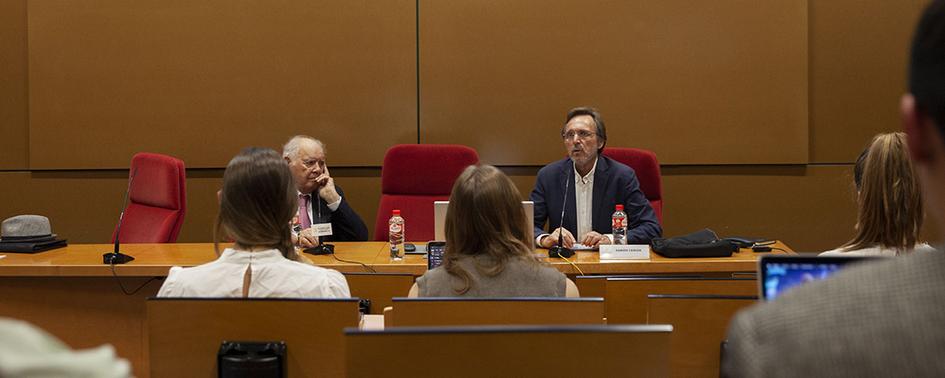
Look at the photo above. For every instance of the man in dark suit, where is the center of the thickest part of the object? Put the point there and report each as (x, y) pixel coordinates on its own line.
(595, 185)
(876, 319)
(321, 202)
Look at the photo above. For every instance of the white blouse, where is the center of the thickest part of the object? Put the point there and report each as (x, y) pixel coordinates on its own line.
(272, 276)
(877, 251)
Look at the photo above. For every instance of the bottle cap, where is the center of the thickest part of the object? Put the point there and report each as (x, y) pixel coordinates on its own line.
(619, 207)
(396, 212)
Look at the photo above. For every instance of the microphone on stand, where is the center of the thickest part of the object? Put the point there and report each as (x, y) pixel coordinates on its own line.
(559, 250)
(116, 257)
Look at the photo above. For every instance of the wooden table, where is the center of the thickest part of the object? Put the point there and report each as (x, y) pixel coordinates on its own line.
(154, 260)
(71, 294)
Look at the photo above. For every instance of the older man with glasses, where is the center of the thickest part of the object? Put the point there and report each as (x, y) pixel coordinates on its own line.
(323, 210)
(594, 185)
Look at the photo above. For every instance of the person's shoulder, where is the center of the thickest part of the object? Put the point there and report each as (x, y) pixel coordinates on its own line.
(845, 311)
(552, 168)
(326, 282)
(617, 168)
(925, 248)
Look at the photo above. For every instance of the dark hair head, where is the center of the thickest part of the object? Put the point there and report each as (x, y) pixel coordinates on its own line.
(257, 202)
(595, 115)
(485, 217)
(927, 63)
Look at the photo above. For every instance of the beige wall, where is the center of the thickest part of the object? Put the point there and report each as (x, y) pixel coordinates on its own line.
(83, 87)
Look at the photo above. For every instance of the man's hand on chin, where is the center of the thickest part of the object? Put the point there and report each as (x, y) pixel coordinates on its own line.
(326, 189)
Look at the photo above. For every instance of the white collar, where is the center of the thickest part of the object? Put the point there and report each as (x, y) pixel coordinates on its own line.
(589, 177)
(231, 255)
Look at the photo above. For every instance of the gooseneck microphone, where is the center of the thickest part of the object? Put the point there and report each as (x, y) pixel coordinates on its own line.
(559, 250)
(116, 257)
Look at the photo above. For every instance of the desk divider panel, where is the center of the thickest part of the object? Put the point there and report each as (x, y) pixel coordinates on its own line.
(627, 297)
(495, 311)
(510, 351)
(185, 333)
(699, 325)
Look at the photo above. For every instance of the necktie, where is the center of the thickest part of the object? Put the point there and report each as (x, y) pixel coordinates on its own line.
(303, 211)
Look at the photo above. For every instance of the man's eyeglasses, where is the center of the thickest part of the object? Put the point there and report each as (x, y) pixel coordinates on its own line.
(581, 134)
(309, 164)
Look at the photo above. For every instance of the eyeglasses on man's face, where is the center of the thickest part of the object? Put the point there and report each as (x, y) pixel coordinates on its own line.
(581, 134)
(312, 163)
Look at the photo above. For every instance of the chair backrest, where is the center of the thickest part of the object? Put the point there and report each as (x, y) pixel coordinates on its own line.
(512, 351)
(380, 288)
(156, 200)
(647, 168)
(596, 286)
(699, 325)
(184, 334)
(413, 176)
(627, 297)
(494, 311)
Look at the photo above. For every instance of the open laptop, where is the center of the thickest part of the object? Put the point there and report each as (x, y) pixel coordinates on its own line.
(780, 273)
(439, 217)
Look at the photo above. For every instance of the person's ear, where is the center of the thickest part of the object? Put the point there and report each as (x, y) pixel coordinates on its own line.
(287, 160)
(917, 128)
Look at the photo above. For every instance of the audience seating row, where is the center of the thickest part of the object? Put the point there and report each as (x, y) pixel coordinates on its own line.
(186, 333)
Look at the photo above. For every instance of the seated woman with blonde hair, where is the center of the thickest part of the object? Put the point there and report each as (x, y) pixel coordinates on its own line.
(257, 203)
(889, 203)
(489, 249)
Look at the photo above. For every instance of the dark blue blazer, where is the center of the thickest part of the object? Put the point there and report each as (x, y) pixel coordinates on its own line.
(346, 225)
(613, 183)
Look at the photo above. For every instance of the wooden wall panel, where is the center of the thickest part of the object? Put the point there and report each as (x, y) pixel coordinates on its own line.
(14, 124)
(859, 53)
(696, 81)
(199, 80)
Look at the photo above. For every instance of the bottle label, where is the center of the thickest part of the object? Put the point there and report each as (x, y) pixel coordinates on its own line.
(396, 228)
(619, 223)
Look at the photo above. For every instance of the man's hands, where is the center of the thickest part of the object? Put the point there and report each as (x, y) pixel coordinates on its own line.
(591, 239)
(326, 187)
(306, 238)
(567, 240)
(594, 239)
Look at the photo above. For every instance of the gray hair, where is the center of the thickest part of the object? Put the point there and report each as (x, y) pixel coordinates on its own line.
(291, 148)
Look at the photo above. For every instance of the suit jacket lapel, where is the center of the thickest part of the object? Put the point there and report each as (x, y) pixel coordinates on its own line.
(601, 180)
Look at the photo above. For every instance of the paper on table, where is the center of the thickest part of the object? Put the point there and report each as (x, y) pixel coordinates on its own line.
(582, 247)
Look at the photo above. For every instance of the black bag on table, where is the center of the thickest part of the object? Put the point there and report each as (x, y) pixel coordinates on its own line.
(703, 243)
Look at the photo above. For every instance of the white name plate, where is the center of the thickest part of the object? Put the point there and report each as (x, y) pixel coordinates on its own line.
(624, 252)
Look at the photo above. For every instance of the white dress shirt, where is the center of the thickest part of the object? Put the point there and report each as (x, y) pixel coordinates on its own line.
(272, 276)
(584, 201)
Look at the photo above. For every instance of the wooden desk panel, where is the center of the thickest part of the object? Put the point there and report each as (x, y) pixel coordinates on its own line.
(71, 283)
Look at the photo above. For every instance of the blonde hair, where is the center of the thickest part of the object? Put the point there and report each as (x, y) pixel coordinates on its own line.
(257, 202)
(889, 201)
(485, 217)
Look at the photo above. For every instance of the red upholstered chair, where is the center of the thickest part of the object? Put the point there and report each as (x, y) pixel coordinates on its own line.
(415, 175)
(156, 200)
(646, 166)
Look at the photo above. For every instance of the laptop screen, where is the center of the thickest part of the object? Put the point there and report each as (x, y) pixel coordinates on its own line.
(779, 273)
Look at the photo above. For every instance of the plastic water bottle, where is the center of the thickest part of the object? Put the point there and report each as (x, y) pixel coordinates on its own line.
(396, 231)
(619, 225)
